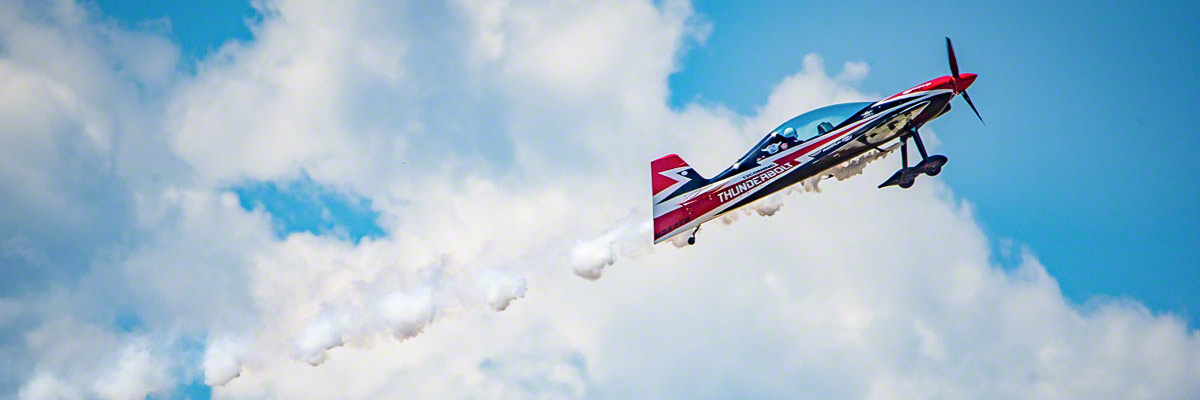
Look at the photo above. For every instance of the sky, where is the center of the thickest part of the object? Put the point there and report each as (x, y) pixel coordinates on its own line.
(1041, 171)
(302, 199)
(1086, 153)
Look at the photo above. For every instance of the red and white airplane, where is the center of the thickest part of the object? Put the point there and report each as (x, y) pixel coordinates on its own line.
(803, 147)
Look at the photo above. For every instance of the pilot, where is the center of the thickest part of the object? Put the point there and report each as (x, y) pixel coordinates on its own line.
(790, 138)
(790, 133)
(778, 142)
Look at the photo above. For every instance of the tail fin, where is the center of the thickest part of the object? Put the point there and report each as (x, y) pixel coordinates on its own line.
(670, 179)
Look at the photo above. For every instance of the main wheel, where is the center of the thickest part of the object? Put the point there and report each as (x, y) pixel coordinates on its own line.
(906, 184)
(691, 240)
(937, 161)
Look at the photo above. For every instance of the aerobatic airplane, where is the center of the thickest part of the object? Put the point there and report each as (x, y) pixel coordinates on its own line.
(803, 147)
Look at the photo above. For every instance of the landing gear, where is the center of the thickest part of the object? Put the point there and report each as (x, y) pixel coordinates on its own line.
(933, 165)
(929, 165)
(692, 239)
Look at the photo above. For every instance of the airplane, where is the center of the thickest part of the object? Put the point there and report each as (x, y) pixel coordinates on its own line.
(805, 146)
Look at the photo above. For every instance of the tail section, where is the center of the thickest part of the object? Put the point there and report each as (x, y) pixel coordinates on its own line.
(671, 179)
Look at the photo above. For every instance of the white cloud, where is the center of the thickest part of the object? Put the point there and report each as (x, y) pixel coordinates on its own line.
(493, 137)
(45, 386)
(135, 374)
(74, 359)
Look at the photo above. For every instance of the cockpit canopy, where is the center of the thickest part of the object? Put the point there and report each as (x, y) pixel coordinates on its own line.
(802, 128)
(810, 123)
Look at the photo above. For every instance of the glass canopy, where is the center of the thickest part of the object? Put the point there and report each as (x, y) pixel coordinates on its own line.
(790, 133)
(806, 124)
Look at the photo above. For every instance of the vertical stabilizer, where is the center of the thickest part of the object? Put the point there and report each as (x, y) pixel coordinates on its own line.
(671, 180)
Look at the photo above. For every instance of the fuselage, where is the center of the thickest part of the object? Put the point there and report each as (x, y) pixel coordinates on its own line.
(785, 162)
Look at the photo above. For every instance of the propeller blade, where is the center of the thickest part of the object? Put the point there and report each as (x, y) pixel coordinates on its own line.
(969, 103)
(953, 60)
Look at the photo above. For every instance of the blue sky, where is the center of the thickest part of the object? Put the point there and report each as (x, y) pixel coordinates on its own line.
(198, 27)
(1087, 157)
(305, 206)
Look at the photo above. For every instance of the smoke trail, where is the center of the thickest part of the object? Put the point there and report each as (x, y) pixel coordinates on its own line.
(843, 171)
(501, 289)
(627, 239)
(223, 358)
(329, 330)
(858, 164)
(405, 313)
(401, 314)
(768, 206)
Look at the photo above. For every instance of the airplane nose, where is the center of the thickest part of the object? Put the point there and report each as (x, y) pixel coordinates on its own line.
(963, 82)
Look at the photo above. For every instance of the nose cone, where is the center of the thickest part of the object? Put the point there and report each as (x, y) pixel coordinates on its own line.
(963, 82)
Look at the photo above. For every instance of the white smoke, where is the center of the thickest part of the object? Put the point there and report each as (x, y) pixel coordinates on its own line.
(401, 314)
(320, 335)
(770, 205)
(501, 289)
(858, 164)
(589, 258)
(842, 171)
(222, 360)
(627, 239)
(729, 219)
(406, 314)
(374, 309)
(398, 313)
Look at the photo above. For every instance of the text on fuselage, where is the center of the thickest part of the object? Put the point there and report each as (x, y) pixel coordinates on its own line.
(750, 183)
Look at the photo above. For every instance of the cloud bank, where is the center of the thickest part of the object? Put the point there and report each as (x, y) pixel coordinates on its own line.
(503, 145)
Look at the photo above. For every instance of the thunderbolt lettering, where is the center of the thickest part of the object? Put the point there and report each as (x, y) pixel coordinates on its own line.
(751, 182)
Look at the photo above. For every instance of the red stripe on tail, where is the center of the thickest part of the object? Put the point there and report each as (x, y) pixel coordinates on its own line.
(664, 163)
(671, 215)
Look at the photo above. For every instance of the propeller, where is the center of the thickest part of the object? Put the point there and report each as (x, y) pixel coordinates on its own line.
(957, 78)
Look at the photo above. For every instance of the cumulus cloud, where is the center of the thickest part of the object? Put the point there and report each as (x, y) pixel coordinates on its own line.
(495, 140)
(45, 385)
(75, 359)
(135, 374)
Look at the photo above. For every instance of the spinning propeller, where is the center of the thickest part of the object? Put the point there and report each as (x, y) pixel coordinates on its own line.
(961, 81)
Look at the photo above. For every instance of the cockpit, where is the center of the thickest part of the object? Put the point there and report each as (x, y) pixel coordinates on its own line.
(795, 131)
